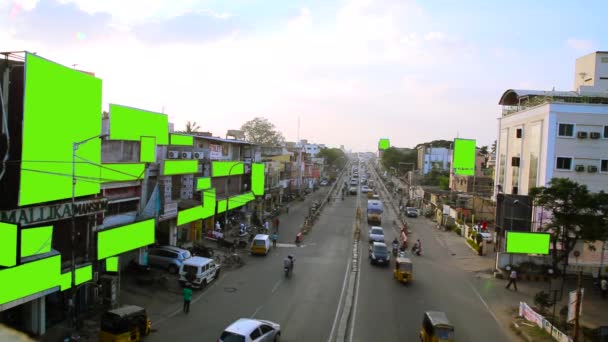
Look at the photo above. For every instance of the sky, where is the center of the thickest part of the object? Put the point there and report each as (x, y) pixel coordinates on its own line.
(352, 71)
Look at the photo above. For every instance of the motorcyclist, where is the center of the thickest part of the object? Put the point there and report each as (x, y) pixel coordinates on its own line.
(417, 247)
(288, 262)
(395, 245)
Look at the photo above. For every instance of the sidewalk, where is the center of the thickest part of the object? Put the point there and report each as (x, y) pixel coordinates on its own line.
(163, 301)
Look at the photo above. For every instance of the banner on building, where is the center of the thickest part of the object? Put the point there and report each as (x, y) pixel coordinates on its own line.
(572, 305)
(215, 152)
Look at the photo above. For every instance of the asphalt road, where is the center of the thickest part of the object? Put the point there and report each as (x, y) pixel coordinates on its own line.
(305, 305)
(389, 311)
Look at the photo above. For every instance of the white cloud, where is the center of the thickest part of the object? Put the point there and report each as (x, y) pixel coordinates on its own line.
(26, 5)
(584, 45)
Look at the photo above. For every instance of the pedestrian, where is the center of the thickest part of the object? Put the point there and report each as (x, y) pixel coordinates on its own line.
(287, 208)
(275, 237)
(187, 298)
(604, 287)
(267, 225)
(512, 280)
(276, 224)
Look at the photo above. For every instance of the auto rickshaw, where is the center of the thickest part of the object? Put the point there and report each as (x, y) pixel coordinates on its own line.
(128, 323)
(436, 328)
(403, 270)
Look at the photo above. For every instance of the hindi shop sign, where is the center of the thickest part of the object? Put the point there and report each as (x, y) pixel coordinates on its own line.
(36, 215)
(215, 152)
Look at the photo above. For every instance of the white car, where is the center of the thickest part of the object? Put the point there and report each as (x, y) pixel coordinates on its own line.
(376, 234)
(365, 189)
(487, 237)
(251, 330)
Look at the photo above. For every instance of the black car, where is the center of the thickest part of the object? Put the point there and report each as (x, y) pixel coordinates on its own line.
(378, 254)
(411, 212)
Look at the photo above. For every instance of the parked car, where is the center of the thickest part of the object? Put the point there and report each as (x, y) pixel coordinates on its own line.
(168, 257)
(487, 236)
(376, 234)
(411, 212)
(324, 183)
(198, 272)
(250, 330)
(378, 254)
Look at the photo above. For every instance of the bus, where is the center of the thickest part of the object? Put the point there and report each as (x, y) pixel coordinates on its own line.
(374, 211)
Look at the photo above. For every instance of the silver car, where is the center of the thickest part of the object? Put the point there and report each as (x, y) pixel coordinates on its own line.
(376, 234)
(251, 330)
(168, 257)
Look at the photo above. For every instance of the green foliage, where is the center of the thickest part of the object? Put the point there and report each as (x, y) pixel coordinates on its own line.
(473, 244)
(393, 156)
(191, 127)
(440, 143)
(458, 231)
(262, 132)
(437, 177)
(577, 214)
(542, 300)
(333, 156)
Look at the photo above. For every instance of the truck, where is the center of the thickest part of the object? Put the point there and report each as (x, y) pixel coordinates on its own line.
(374, 211)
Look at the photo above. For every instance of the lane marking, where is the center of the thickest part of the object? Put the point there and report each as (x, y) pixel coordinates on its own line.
(484, 303)
(276, 286)
(354, 308)
(346, 273)
(256, 311)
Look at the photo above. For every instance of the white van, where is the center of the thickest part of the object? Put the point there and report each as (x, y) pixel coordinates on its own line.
(197, 272)
(260, 244)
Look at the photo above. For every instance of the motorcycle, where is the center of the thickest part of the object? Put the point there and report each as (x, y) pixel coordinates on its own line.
(417, 251)
(395, 249)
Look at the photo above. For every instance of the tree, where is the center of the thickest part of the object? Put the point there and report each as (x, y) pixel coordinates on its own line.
(542, 300)
(192, 127)
(437, 177)
(493, 151)
(393, 156)
(333, 156)
(574, 212)
(262, 132)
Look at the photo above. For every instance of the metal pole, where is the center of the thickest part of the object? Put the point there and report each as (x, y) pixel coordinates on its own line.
(577, 306)
(72, 303)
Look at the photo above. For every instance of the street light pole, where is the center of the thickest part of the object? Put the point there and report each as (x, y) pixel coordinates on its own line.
(228, 194)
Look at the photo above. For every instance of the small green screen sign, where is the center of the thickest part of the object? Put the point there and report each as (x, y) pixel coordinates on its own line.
(528, 243)
(384, 144)
(464, 157)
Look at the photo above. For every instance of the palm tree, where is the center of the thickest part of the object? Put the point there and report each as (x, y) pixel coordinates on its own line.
(192, 127)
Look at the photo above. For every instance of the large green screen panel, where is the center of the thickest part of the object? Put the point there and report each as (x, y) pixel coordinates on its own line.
(232, 168)
(183, 140)
(384, 144)
(240, 200)
(221, 206)
(257, 179)
(189, 215)
(122, 172)
(65, 280)
(203, 183)
(30, 278)
(62, 106)
(209, 203)
(8, 244)
(112, 264)
(118, 240)
(36, 240)
(128, 123)
(528, 243)
(179, 167)
(84, 274)
(147, 151)
(464, 157)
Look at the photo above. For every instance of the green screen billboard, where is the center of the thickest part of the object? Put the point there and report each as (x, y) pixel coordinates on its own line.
(528, 243)
(464, 157)
(384, 144)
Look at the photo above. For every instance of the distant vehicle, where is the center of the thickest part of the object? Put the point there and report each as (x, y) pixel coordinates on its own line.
(251, 330)
(378, 254)
(324, 183)
(365, 189)
(374, 211)
(354, 182)
(487, 237)
(376, 234)
(411, 212)
(198, 272)
(168, 257)
(352, 190)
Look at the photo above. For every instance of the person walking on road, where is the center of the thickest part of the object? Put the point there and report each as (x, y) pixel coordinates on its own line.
(275, 237)
(604, 287)
(276, 224)
(187, 298)
(512, 280)
(287, 208)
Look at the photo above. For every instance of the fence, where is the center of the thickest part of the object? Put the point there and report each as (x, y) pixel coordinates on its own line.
(526, 312)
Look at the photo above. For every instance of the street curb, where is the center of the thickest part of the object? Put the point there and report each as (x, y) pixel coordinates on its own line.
(522, 334)
(350, 295)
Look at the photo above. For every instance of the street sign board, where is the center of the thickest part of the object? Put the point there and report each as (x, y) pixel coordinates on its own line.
(572, 305)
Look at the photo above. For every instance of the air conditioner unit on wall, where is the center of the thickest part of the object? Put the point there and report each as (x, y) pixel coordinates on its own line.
(172, 155)
(185, 155)
(591, 168)
(199, 155)
(594, 135)
(581, 135)
(579, 168)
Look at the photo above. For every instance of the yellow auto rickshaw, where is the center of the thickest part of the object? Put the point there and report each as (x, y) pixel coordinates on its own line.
(404, 270)
(436, 328)
(128, 323)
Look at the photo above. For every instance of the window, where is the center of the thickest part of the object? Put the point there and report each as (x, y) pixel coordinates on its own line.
(266, 329)
(604, 165)
(563, 163)
(255, 334)
(604, 59)
(566, 130)
(605, 131)
(518, 133)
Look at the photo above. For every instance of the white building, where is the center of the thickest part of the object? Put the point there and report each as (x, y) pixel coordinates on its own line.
(563, 134)
(310, 149)
(430, 157)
